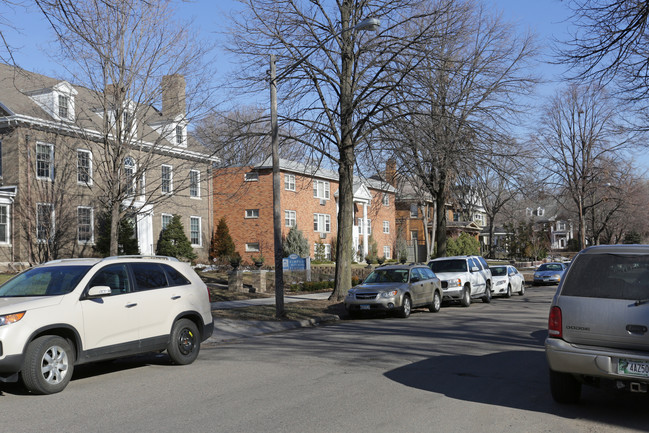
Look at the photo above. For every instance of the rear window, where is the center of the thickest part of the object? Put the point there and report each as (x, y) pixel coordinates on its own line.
(613, 276)
(448, 266)
(498, 271)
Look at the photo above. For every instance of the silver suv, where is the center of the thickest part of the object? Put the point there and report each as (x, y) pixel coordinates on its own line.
(396, 288)
(69, 312)
(463, 278)
(599, 322)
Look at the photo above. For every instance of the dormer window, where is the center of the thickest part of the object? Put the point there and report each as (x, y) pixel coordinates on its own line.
(57, 101)
(179, 135)
(64, 104)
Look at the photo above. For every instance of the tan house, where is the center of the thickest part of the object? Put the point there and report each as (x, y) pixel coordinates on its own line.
(244, 196)
(55, 156)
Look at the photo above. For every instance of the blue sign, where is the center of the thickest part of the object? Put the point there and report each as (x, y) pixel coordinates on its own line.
(295, 263)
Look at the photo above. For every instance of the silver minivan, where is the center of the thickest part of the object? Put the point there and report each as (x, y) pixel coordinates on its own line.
(598, 328)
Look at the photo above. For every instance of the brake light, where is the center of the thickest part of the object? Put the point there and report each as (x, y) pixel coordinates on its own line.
(555, 328)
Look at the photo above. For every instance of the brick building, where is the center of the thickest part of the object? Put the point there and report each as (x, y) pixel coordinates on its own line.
(244, 196)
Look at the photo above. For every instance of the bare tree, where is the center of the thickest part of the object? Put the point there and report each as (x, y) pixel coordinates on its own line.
(125, 52)
(580, 135)
(459, 101)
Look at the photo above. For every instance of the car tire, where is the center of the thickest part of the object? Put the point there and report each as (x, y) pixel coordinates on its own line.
(564, 387)
(486, 298)
(48, 365)
(436, 305)
(466, 296)
(404, 311)
(184, 343)
(522, 292)
(509, 291)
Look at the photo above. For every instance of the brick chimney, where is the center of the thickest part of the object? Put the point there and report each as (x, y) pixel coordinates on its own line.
(391, 171)
(173, 96)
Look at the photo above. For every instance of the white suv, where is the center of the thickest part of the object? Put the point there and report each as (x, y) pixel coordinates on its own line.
(463, 278)
(74, 311)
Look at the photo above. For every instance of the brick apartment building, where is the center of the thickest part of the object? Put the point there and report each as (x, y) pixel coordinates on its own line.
(244, 196)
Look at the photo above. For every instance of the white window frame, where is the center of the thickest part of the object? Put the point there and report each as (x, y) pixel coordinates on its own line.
(321, 223)
(251, 176)
(252, 247)
(63, 106)
(386, 252)
(164, 216)
(414, 210)
(369, 226)
(92, 226)
(52, 222)
(251, 213)
(386, 227)
(86, 170)
(6, 223)
(49, 161)
(180, 135)
(194, 183)
(561, 226)
(289, 182)
(386, 199)
(321, 189)
(130, 168)
(166, 184)
(192, 219)
(290, 218)
(327, 248)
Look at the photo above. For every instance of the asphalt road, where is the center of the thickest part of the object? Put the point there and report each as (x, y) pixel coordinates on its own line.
(476, 369)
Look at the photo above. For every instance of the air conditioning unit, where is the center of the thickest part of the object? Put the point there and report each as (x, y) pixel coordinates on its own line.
(323, 236)
(323, 202)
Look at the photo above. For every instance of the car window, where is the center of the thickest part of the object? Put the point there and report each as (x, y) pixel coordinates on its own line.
(429, 274)
(454, 265)
(44, 281)
(387, 276)
(551, 267)
(608, 276)
(416, 272)
(175, 278)
(483, 262)
(148, 276)
(512, 271)
(498, 271)
(114, 276)
(474, 263)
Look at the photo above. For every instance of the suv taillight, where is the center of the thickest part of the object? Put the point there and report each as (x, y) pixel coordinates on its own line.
(555, 328)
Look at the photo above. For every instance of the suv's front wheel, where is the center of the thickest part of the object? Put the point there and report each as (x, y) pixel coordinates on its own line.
(466, 296)
(48, 365)
(487, 293)
(184, 344)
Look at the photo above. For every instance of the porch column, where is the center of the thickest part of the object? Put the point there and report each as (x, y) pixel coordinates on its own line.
(365, 236)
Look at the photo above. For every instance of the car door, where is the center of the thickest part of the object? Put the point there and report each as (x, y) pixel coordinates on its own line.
(111, 321)
(417, 282)
(515, 278)
(478, 283)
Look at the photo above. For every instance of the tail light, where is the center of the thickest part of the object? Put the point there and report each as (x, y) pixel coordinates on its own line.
(555, 328)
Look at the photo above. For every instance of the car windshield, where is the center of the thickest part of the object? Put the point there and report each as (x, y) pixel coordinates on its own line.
(498, 271)
(550, 267)
(387, 276)
(614, 276)
(448, 266)
(44, 281)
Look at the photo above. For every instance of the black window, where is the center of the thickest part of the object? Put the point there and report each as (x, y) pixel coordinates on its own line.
(149, 276)
(428, 273)
(175, 278)
(113, 276)
(483, 262)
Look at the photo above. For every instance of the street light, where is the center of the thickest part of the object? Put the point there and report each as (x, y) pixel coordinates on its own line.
(368, 24)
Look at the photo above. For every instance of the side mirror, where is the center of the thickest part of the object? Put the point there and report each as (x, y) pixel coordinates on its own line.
(99, 292)
(414, 279)
(474, 269)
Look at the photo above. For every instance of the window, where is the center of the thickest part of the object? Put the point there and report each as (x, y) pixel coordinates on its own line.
(252, 247)
(414, 235)
(166, 220)
(44, 221)
(528, 211)
(174, 277)
(251, 176)
(0, 158)
(325, 250)
(321, 223)
(113, 276)
(84, 225)
(179, 135)
(44, 161)
(540, 211)
(386, 199)
(386, 226)
(386, 251)
(289, 182)
(194, 183)
(252, 213)
(477, 218)
(368, 229)
(167, 179)
(84, 167)
(561, 226)
(127, 122)
(321, 189)
(148, 276)
(64, 103)
(195, 231)
(4, 224)
(413, 210)
(129, 173)
(290, 218)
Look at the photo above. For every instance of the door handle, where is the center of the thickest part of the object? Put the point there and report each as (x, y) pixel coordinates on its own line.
(131, 305)
(173, 298)
(636, 329)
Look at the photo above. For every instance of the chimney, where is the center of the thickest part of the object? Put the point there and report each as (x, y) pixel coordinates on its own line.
(173, 96)
(391, 171)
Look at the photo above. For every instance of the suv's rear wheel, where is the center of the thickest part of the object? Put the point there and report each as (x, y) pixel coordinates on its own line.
(564, 387)
(486, 298)
(48, 365)
(436, 304)
(404, 312)
(185, 342)
(466, 296)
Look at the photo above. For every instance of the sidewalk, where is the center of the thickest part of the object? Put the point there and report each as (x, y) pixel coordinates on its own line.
(228, 330)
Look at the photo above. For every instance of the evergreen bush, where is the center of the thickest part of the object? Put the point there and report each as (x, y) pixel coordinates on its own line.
(296, 243)
(222, 244)
(174, 243)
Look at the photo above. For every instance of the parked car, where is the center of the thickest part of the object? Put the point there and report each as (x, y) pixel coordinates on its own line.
(549, 273)
(505, 280)
(598, 328)
(396, 288)
(463, 278)
(70, 312)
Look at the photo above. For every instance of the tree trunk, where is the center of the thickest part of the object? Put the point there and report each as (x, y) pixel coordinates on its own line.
(114, 229)
(440, 200)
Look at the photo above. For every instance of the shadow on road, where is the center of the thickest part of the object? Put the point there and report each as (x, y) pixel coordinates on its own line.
(518, 379)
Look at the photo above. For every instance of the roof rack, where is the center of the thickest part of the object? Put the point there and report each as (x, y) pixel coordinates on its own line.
(142, 256)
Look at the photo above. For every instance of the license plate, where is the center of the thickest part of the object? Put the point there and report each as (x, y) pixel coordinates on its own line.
(365, 307)
(630, 367)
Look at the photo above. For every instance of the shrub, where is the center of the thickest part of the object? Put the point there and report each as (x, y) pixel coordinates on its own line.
(173, 242)
(222, 245)
(465, 244)
(127, 243)
(296, 243)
